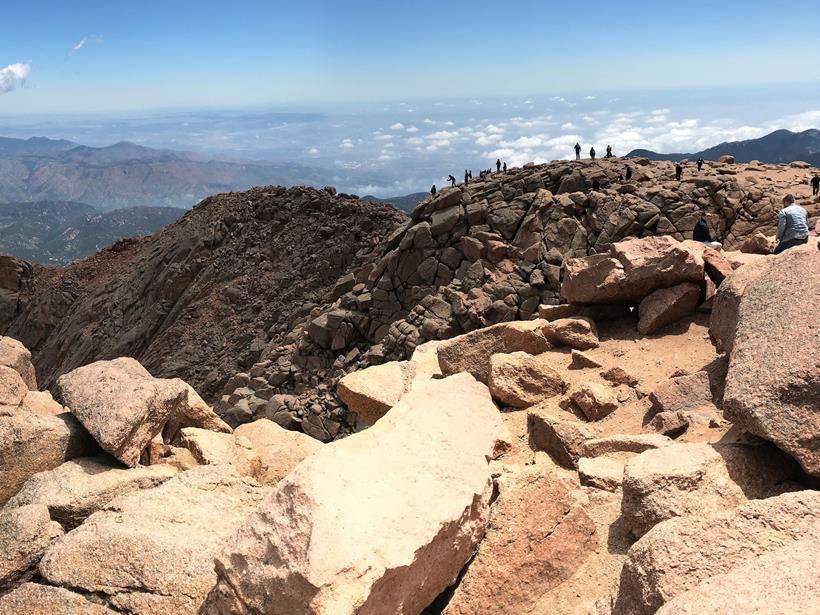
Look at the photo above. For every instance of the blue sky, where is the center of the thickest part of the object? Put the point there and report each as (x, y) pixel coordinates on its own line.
(180, 54)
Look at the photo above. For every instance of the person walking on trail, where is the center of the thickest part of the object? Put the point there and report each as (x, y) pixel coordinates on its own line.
(452, 181)
(678, 171)
(592, 153)
(815, 184)
(628, 173)
(433, 190)
(505, 167)
(700, 164)
(792, 225)
(498, 166)
(609, 151)
(701, 233)
(577, 151)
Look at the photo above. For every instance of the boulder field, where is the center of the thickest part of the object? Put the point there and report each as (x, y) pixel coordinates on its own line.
(637, 433)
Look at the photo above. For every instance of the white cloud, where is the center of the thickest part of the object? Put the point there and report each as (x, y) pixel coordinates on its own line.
(412, 129)
(382, 137)
(86, 40)
(346, 144)
(568, 126)
(12, 75)
(428, 121)
(589, 98)
(313, 151)
(494, 130)
(415, 141)
(397, 126)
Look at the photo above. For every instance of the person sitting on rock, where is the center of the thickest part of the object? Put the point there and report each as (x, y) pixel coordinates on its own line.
(609, 151)
(592, 153)
(498, 165)
(700, 163)
(452, 181)
(433, 190)
(678, 171)
(815, 184)
(792, 225)
(577, 151)
(701, 233)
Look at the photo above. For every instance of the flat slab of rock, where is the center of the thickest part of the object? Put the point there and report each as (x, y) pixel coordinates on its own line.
(520, 380)
(773, 382)
(682, 393)
(379, 522)
(371, 392)
(681, 554)
(77, 488)
(278, 449)
(36, 599)
(30, 444)
(666, 306)
(697, 479)
(632, 269)
(24, 535)
(471, 352)
(42, 403)
(538, 537)
(153, 550)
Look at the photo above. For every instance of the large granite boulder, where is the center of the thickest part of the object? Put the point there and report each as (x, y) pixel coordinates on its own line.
(666, 306)
(25, 533)
(630, 271)
(30, 444)
(124, 408)
(726, 304)
(694, 553)
(697, 479)
(151, 552)
(379, 522)
(773, 382)
(16, 356)
(471, 352)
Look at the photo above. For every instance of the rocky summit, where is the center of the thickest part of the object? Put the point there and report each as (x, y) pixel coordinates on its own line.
(534, 394)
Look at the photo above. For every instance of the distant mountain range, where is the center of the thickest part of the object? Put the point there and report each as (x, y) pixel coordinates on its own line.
(406, 203)
(781, 146)
(59, 232)
(129, 175)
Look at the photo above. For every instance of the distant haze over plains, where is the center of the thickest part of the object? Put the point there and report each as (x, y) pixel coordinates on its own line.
(400, 147)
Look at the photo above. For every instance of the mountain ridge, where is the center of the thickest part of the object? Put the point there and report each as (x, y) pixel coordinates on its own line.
(778, 147)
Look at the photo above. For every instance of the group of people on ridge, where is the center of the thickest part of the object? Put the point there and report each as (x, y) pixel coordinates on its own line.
(468, 175)
(592, 152)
